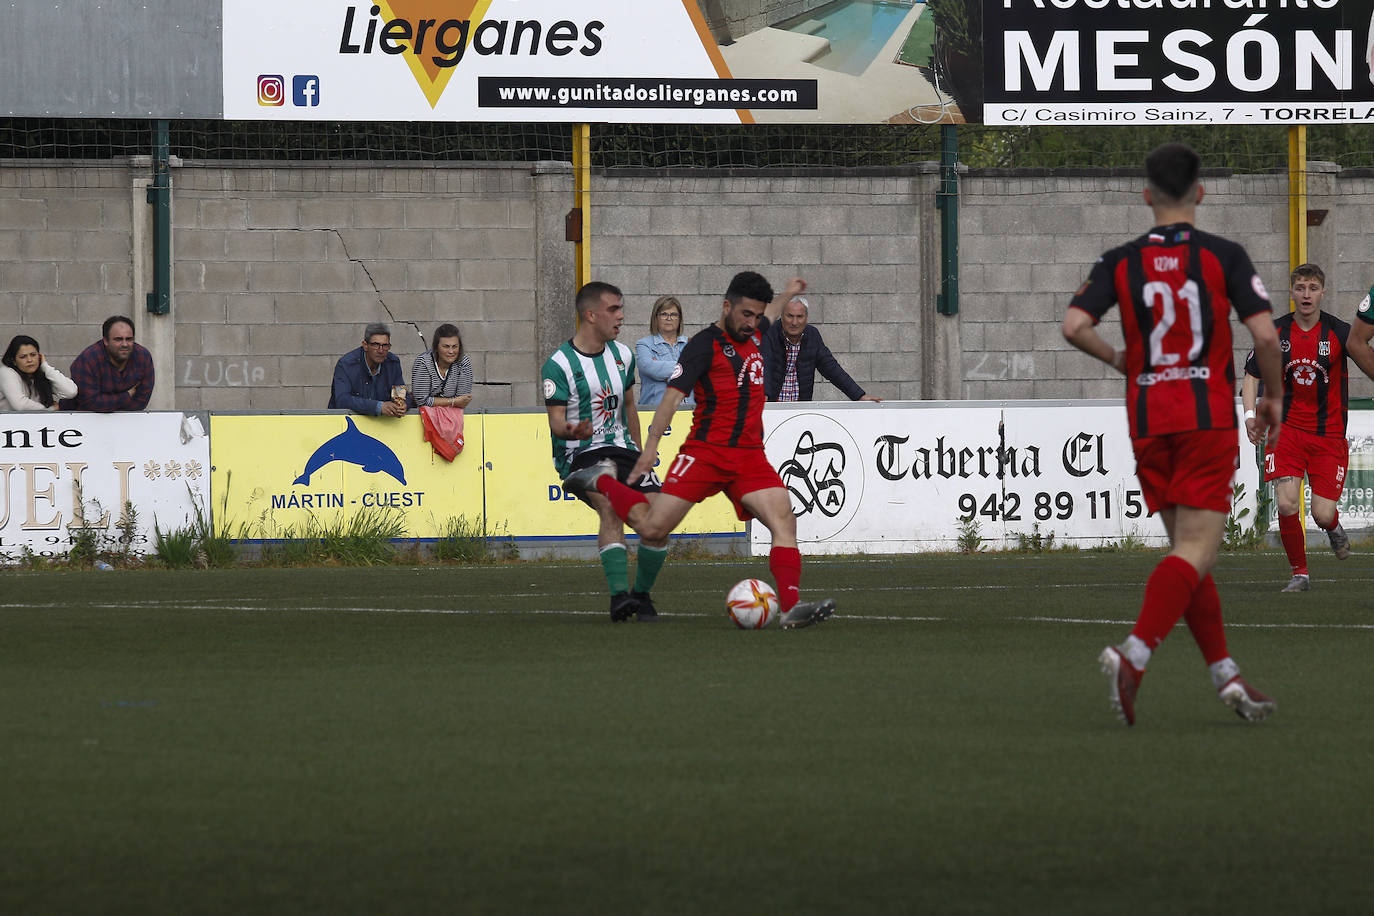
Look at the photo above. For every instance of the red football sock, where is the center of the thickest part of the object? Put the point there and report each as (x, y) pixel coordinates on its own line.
(622, 498)
(1204, 620)
(1168, 592)
(785, 564)
(1335, 520)
(1294, 542)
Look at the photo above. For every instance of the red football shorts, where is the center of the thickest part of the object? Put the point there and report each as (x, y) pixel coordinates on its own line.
(701, 470)
(1321, 459)
(1188, 469)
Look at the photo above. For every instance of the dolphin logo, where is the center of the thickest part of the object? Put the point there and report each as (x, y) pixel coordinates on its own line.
(354, 447)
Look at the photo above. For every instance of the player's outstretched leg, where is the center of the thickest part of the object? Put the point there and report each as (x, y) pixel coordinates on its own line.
(1248, 702)
(1124, 679)
(583, 481)
(805, 613)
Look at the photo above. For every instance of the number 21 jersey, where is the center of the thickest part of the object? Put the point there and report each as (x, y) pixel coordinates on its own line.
(1176, 286)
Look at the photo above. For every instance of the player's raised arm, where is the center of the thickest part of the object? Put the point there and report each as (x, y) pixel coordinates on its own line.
(795, 287)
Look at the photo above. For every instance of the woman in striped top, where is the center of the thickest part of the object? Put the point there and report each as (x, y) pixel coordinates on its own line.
(443, 376)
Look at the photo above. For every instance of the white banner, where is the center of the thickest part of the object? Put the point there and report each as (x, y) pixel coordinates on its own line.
(486, 60)
(62, 472)
(903, 478)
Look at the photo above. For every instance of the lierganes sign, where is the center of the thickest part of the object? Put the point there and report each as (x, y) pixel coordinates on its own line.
(492, 60)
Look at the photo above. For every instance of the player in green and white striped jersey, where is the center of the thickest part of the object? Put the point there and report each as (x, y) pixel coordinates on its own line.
(589, 395)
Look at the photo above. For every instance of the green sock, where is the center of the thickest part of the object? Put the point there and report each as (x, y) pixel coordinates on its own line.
(650, 562)
(615, 562)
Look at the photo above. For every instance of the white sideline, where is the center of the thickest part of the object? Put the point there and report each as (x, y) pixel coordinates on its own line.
(563, 612)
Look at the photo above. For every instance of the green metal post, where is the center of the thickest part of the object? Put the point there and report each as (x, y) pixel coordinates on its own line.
(947, 201)
(160, 196)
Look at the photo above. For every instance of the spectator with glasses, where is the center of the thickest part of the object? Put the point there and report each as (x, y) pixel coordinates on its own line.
(369, 380)
(657, 354)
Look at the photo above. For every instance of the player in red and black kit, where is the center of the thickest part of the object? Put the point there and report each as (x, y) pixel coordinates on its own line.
(721, 366)
(1316, 401)
(1176, 286)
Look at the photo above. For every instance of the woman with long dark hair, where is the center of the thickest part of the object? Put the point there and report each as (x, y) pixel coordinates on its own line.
(28, 381)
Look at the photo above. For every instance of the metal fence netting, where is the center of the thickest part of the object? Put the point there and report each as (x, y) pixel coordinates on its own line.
(1239, 149)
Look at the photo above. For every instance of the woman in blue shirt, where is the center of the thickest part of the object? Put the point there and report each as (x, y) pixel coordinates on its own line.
(657, 354)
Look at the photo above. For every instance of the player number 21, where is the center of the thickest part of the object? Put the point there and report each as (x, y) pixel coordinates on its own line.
(1158, 293)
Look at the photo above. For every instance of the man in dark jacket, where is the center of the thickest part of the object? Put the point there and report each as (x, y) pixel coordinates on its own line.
(369, 380)
(792, 353)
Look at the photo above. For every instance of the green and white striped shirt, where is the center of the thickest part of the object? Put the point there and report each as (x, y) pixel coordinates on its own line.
(592, 388)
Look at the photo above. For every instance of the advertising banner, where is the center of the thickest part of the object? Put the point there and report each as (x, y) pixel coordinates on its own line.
(904, 479)
(276, 475)
(620, 61)
(64, 472)
(524, 495)
(1067, 62)
(324, 469)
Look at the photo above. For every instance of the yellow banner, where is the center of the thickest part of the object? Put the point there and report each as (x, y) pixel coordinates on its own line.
(523, 488)
(272, 475)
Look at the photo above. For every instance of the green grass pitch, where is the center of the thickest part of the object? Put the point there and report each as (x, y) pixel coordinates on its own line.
(483, 740)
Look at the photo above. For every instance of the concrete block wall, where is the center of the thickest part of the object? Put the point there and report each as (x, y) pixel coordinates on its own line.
(856, 240)
(1028, 242)
(66, 254)
(270, 287)
(275, 270)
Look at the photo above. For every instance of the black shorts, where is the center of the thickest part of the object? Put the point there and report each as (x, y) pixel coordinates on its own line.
(624, 460)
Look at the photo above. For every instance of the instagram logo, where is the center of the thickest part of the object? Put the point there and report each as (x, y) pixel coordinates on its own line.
(271, 90)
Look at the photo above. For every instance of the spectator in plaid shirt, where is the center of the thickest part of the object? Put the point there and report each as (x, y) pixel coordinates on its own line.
(114, 373)
(792, 353)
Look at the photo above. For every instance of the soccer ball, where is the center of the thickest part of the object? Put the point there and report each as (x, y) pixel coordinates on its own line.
(752, 604)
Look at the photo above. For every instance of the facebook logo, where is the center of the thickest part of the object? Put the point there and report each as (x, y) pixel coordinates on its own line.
(305, 91)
